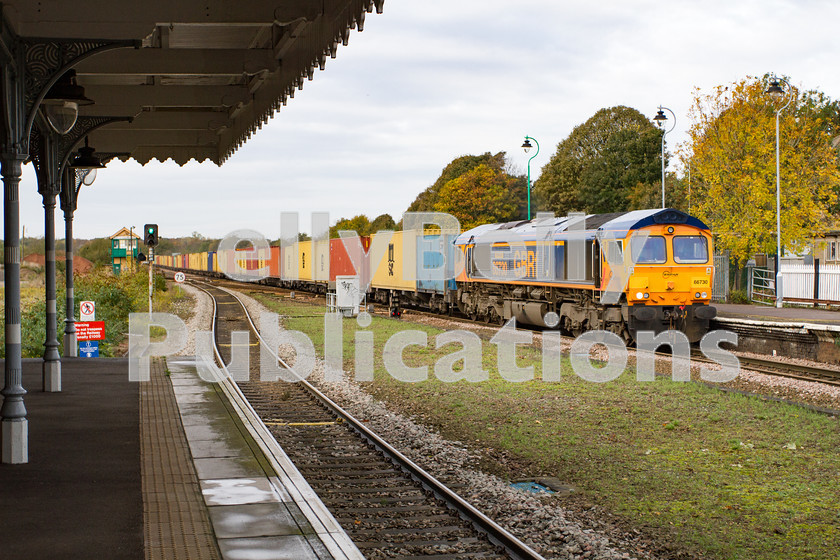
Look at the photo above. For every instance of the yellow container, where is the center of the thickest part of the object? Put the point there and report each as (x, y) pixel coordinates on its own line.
(304, 260)
(388, 272)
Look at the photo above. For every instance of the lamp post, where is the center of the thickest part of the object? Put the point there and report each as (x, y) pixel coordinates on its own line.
(660, 119)
(776, 91)
(526, 145)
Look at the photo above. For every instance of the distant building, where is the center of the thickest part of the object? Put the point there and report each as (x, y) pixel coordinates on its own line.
(124, 247)
(827, 249)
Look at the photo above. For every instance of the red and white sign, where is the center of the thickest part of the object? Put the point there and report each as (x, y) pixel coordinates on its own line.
(180, 277)
(87, 311)
(90, 330)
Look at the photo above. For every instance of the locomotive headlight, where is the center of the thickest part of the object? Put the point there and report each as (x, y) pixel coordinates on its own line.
(705, 295)
(670, 230)
(647, 295)
(697, 295)
(639, 295)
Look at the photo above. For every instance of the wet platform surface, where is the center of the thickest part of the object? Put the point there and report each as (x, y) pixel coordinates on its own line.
(164, 469)
(80, 494)
(251, 510)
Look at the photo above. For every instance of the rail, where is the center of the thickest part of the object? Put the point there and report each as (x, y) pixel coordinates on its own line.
(495, 533)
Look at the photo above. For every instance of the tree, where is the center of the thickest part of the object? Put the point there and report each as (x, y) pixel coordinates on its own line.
(382, 222)
(426, 200)
(733, 163)
(97, 251)
(603, 160)
(360, 224)
(484, 194)
(649, 195)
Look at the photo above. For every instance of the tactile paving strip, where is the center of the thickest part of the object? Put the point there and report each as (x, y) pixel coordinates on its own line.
(176, 524)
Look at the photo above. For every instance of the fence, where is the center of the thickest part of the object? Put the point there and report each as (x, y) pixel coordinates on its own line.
(762, 286)
(720, 289)
(799, 282)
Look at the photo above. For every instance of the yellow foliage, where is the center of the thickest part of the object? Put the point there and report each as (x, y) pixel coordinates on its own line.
(733, 164)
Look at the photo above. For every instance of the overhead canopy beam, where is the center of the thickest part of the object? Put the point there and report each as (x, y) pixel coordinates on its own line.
(174, 62)
(170, 96)
(172, 120)
(117, 141)
(107, 19)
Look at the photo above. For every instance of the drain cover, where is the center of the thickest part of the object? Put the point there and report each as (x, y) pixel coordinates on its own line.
(531, 486)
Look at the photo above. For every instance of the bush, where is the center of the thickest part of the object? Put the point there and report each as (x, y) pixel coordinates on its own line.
(115, 297)
(738, 296)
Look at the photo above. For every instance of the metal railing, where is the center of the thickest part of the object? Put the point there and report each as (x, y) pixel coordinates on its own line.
(720, 288)
(762, 288)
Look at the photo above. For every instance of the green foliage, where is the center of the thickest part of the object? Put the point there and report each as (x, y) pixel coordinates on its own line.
(603, 163)
(195, 243)
(115, 297)
(483, 195)
(649, 195)
(97, 251)
(476, 190)
(362, 225)
(738, 296)
(733, 162)
(382, 222)
(426, 200)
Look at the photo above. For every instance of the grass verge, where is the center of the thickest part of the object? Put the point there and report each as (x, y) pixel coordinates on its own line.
(725, 475)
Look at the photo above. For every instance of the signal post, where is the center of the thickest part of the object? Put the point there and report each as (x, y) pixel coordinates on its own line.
(150, 238)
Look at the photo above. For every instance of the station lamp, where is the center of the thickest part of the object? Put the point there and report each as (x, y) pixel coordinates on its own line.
(526, 145)
(660, 119)
(779, 94)
(61, 103)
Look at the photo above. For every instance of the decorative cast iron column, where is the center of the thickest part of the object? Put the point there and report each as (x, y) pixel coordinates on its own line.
(72, 181)
(28, 68)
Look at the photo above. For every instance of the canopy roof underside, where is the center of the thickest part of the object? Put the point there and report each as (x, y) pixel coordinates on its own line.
(207, 75)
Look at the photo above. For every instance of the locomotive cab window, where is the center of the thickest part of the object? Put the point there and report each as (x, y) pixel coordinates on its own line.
(652, 252)
(691, 249)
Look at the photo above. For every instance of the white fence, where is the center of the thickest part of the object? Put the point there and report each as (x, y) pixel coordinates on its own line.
(798, 281)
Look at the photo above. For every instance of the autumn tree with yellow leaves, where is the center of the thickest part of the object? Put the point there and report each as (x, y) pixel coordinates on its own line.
(732, 151)
(483, 195)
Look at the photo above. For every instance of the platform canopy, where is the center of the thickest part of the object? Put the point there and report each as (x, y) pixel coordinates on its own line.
(202, 76)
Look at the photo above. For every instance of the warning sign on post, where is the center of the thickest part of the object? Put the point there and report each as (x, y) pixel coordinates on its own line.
(87, 311)
(90, 330)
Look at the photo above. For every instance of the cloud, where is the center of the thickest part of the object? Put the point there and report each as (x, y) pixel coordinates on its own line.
(430, 81)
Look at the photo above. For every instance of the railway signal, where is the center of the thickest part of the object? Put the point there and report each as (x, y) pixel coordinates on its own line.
(150, 235)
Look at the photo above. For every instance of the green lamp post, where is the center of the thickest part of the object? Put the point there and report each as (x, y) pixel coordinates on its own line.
(527, 147)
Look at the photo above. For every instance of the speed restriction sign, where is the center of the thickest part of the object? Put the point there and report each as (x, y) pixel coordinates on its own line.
(180, 277)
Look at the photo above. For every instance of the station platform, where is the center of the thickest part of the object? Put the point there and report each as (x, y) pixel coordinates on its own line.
(772, 314)
(796, 332)
(171, 468)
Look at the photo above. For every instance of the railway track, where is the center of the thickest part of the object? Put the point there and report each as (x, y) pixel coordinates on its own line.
(767, 366)
(388, 505)
(794, 371)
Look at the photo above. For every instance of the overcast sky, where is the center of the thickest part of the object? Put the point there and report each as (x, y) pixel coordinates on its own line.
(430, 81)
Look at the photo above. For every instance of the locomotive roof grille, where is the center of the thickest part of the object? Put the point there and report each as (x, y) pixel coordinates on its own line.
(612, 225)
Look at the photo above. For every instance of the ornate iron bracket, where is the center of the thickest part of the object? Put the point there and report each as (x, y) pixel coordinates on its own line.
(33, 65)
(69, 195)
(50, 152)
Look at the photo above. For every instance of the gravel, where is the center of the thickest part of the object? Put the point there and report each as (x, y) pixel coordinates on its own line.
(555, 532)
(200, 320)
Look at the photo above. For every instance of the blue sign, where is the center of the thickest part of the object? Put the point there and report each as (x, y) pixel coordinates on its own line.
(89, 349)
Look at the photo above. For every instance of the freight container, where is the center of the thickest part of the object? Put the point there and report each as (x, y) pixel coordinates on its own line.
(388, 272)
